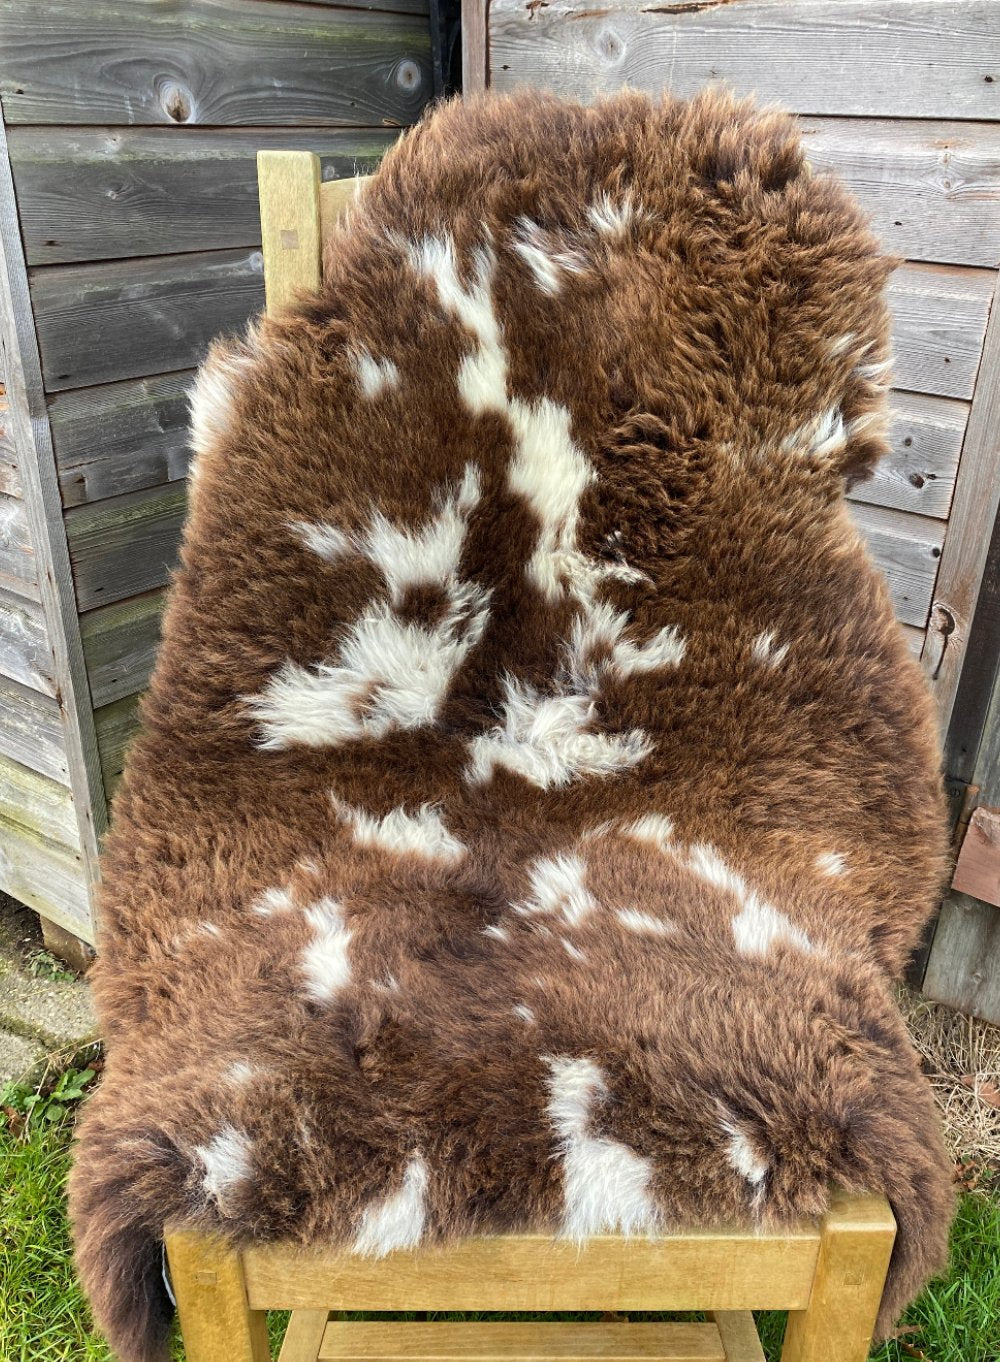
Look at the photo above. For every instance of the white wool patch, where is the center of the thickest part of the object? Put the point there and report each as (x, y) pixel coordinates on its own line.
(743, 1158)
(525, 1013)
(821, 437)
(758, 925)
(272, 901)
(877, 373)
(392, 673)
(374, 375)
(325, 962)
(665, 649)
(548, 740)
(610, 218)
(762, 650)
(210, 400)
(544, 269)
(325, 540)
(227, 1160)
(605, 1184)
(239, 1072)
(398, 1220)
(428, 556)
(559, 885)
(419, 834)
(573, 951)
(654, 828)
(497, 932)
(831, 863)
(842, 344)
(644, 924)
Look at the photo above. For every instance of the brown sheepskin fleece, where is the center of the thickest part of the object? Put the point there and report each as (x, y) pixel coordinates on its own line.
(535, 795)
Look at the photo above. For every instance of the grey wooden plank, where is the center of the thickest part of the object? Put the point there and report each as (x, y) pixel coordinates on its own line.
(47, 877)
(931, 188)
(108, 193)
(117, 725)
(939, 317)
(18, 570)
(25, 655)
(127, 319)
(31, 730)
(120, 437)
(33, 439)
(10, 477)
(907, 548)
(963, 969)
(893, 58)
(37, 805)
(210, 62)
(925, 441)
(126, 545)
(120, 643)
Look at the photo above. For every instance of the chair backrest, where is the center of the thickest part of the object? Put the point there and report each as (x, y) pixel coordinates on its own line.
(297, 209)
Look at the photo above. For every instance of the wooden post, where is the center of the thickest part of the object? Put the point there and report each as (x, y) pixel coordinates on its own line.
(217, 1323)
(288, 185)
(837, 1324)
(304, 1336)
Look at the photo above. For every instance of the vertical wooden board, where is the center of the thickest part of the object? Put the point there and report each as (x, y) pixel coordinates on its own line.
(963, 969)
(215, 1320)
(288, 186)
(17, 555)
(106, 193)
(38, 806)
(125, 546)
(907, 549)
(10, 478)
(211, 62)
(120, 643)
(117, 725)
(896, 58)
(127, 319)
(475, 46)
(46, 877)
(31, 730)
(121, 437)
(931, 188)
(939, 320)
(925, 441)
(977, 870)
(25, 655)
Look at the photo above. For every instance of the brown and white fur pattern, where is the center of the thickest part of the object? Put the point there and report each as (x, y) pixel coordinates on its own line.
(536, 796)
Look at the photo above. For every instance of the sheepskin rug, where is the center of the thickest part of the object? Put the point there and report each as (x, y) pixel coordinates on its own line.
(535, 795)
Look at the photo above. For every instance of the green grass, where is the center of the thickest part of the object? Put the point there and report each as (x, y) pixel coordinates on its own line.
(44, 1318)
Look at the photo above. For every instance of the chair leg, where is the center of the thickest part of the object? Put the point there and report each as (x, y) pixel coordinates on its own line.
(304, 1335)
(837, 1325)
(217, 1323)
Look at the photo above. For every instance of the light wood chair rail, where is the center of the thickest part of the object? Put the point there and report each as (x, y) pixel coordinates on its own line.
(829, 1276)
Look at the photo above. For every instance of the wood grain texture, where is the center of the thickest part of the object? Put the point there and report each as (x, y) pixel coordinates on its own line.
(130, 318)
(18, 570)
(215, 1320)
(925, 441)
(837, 1326)
(119, 643)
(893, 58)
(475, 46)
(210, 62)
(10, 478)
(939, 317)
(739, 1336)
(931, 187)
(973, 515)
(977, 871)
(542, 1341)
(25, 656)
(31, 730)
(963, 969)
(107, 193)
(47, 877)
(303, 1336)
(125, 546)
(907, 549)
(37, 805)
(288, 188)
(116, 724)
(120, 437)
(724, 1270)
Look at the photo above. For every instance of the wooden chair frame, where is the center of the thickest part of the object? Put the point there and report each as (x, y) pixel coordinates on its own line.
(828, 1276)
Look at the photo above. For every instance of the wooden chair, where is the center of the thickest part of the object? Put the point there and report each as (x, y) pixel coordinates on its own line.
(828, 1276)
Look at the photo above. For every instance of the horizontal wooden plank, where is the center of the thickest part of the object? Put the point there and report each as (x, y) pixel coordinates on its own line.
(47, 877)
(37, 805)
(931, 187)
(17, 556)
(31, 730)
(116, 726)
(977, 871)
(107, 193)
(130, 318)
(887, 58)
(119, 643)
(617, 1341)
(24, 651)
(939, 320)
(211, 62)
(124, 546)
(120, 437)
(719, 1270)
(925, 441)
(907, 549)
